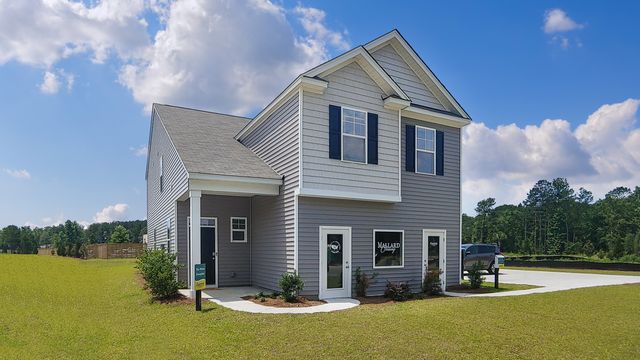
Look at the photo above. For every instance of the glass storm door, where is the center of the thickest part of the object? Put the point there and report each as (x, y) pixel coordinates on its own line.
(433, 252)
(335, 258)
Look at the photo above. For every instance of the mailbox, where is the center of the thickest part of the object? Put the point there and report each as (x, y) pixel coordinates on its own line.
(499, 262)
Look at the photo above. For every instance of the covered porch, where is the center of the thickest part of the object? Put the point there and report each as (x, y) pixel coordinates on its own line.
(223, 208)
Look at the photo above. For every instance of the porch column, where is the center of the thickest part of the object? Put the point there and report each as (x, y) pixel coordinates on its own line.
(194, 212)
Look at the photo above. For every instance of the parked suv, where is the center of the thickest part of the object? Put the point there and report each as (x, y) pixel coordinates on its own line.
(485, 253)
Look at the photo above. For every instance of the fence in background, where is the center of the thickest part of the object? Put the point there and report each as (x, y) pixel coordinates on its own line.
(46, 251)
(114, 251)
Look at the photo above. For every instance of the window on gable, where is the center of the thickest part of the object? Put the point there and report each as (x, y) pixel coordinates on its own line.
(238, 229)
(425, 150)
(354, 135)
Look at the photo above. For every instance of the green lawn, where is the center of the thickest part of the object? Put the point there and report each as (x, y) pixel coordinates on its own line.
(65, 308)
(585, 271)
(489, 287)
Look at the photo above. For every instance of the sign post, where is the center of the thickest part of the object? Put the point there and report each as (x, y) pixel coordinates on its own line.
(200, 282)
(499, 261)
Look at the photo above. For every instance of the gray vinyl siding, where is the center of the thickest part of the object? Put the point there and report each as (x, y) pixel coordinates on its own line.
(348, 87)
(428, 202)
(275, 141)
(405, 77)
(161, 205)
(234, 262)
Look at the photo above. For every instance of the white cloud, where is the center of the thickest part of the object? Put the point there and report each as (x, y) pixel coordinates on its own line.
(557, 21)
(18, 173)
(139, 151)
(50, 83)
(229, 56)
(602, 153)
(111, 213)
(47, 221)
(43, 32)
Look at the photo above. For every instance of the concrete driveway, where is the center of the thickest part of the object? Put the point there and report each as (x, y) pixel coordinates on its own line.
(551, 281)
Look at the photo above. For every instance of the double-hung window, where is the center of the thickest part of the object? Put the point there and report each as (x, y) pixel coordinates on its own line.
(354, 135)
(425, 150)
(239, 229)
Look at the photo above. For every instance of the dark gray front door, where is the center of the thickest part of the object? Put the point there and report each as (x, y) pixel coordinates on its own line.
(208, 252)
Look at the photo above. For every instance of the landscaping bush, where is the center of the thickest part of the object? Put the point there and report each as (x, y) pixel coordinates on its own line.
(432, 284)
(291, 285)
(363, 281)
(398, 291)
(475, 276)
(158, 269)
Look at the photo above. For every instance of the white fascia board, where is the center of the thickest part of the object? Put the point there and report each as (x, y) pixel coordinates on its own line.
(347, 195)
(393, 103)
(233, 188)
(434, 117)
(317, 86)
(238, 179)
(395, 36)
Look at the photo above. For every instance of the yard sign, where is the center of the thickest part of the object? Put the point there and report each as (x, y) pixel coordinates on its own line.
(200, 276)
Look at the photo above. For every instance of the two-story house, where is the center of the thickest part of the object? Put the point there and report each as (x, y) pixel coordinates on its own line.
(355, 164)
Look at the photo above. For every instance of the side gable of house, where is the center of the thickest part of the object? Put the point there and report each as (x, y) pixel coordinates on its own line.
(167, 179)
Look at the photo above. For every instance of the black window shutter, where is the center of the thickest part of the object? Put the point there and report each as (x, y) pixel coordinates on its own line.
(335, 132)
(410, 147)
(439, 152)
(372, 138)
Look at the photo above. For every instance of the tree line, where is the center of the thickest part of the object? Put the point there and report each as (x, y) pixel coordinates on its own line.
(69, 239)
(556, 219)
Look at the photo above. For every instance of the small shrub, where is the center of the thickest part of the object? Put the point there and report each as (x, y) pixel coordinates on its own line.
(475, 276)
(363, 281)
(158, 269)
(397, 291)
(432, 284)
(291, 285)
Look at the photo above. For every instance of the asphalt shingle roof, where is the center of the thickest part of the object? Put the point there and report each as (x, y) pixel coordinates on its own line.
(206, 144)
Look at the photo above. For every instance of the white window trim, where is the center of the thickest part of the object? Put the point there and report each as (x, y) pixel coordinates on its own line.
(365, 137)
(232, 230)
(434, 152)
(374, 249)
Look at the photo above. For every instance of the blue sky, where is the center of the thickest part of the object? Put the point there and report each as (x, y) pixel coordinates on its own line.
(75, 97)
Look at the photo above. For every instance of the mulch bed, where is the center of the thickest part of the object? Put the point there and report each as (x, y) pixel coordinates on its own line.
(278, 302)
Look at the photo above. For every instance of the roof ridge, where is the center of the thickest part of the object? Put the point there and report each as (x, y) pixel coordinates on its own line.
(204, 111)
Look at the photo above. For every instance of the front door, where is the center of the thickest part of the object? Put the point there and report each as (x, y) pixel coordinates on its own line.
(208, 252)
(208, 247)
(433, 253)
(335, 262)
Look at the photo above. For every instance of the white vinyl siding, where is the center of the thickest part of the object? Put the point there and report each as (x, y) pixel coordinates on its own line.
(163, 162)
(349, 87)
(405, 77)
(275, 141)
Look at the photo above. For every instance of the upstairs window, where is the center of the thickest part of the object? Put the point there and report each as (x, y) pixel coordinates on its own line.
(425, 150)
(354, 135)
(239, 229)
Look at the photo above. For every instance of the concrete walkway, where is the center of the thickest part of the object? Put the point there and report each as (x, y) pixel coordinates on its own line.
(231, 298)
(550, 281)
